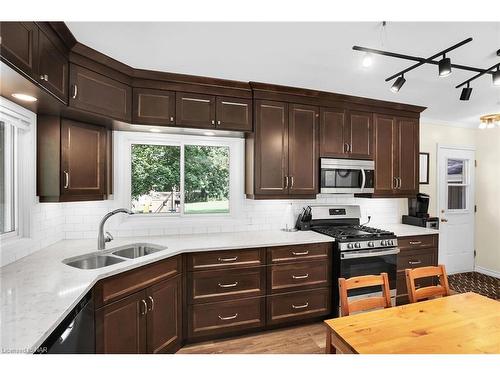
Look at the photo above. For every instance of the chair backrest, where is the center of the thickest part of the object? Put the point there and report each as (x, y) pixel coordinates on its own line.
(416, 294)
(369, 303)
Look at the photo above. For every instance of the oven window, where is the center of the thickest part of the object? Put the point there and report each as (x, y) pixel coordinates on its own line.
(369, 266)
(341, 178)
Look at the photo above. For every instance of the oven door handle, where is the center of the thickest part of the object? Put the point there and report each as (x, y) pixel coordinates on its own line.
(363, 181)
(368, 254)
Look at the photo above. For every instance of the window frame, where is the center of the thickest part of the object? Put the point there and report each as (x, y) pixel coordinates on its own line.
(465, 184)
(123, 141)
(24, 123)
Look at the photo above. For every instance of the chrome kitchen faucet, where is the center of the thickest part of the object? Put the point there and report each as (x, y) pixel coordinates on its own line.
(102, 238)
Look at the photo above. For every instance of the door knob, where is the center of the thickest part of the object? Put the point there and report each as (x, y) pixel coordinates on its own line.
(444, 220)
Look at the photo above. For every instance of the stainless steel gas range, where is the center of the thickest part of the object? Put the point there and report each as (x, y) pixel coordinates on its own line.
(359, 250)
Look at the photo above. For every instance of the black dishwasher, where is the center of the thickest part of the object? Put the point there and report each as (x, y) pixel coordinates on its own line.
(76, 333)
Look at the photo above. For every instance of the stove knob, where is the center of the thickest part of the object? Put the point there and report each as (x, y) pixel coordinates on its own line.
(371, 244)
(350, 246)
(357, 245)
(390, 242)
(383, 243)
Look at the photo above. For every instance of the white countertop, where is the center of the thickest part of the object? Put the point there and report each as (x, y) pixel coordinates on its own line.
(38, 291)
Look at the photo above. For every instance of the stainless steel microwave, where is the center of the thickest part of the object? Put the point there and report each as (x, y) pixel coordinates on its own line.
(340, 176)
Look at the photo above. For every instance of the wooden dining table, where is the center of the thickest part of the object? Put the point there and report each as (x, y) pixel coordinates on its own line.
(457, 324)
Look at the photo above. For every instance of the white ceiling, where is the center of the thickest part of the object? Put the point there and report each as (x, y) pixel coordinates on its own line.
(314, 55)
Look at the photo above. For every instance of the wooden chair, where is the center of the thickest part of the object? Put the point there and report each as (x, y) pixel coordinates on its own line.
(440, 290)
(369, 303)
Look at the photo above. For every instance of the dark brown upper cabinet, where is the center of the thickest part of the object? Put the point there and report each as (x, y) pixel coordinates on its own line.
(396, 144)
(52, 72)
(73, 160)
(303, 149)
(94, 92)
(282, 152)
(345, 133)
(213, 112)
(234, 114)
(153, 107)
(19, 46)
(195, 110)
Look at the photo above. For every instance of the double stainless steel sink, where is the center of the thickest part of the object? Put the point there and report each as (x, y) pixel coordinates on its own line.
(116, 255)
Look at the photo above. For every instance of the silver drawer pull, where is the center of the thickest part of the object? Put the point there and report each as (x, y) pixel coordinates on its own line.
(300, 277)
(297, 307)
(152, 303)
(414, 262)
(228, 317)
(75, 91)
(298, 253)
(415, 242)
(228, 259)
(66, 179)
(228, 285)
(145, 311)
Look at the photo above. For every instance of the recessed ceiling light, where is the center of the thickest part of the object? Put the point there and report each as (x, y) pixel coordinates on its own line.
(24, 97)
(209, 133)
(154, 130)
(367, 60)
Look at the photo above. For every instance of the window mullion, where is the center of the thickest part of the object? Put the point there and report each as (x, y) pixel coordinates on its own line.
(182, 180)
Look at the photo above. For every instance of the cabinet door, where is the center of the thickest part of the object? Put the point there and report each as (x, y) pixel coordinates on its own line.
(94, 92)
(408, 156)
(303, 149)
(195, 110)
(234, 114)
(121, 326)
(153, 107)
(19, 45)
(164, 316)
(384, 144)
(271, 147)
(332, 133)
(83, 159)
(359, 135)
(52, 68)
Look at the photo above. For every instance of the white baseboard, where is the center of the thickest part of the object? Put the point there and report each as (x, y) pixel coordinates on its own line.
(487, 271)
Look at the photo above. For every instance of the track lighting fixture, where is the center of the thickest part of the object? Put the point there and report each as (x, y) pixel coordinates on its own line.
(444, 66)
(396, 86)
(496, 77)
(466, 93)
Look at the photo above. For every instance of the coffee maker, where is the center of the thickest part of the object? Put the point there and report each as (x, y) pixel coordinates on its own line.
(418, 212)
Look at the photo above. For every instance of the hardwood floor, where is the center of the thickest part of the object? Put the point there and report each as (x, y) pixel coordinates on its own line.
(305, 339)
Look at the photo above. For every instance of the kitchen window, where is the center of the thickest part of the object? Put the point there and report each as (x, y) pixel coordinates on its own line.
(188, 176)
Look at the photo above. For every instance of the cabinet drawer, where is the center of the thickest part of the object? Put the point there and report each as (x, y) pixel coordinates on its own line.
(225, 317)
(297, 253)
(116, 287)
(416, 258)
(295, 306)
(226, 259)
(417, 242)
(289, 277)
(218, 285)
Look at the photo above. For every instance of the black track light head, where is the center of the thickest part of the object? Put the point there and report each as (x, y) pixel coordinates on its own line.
(496, 77)
(466, 93)
(445, 67)
(398, 83)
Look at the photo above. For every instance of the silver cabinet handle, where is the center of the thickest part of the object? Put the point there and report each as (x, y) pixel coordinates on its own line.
(218, 122)
(394, 183)
(75, 91)
(171, 118)
(44, 77)
(399, 182)
(213, 122)
(152, 303)
(66, 179)
(286, 182)
(412, 263)
(300, 277)
(228, 317)
(228, 259)
(415, 242)
(228, 285)
(297, 307)
(292, 180)
(346, 148)
(298, 253)
(349, 147)
(145, 311)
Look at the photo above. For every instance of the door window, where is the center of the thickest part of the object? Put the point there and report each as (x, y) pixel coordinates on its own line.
(457, 184)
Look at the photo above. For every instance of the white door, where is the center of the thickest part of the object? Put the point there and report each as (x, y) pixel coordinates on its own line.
(456, 207)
